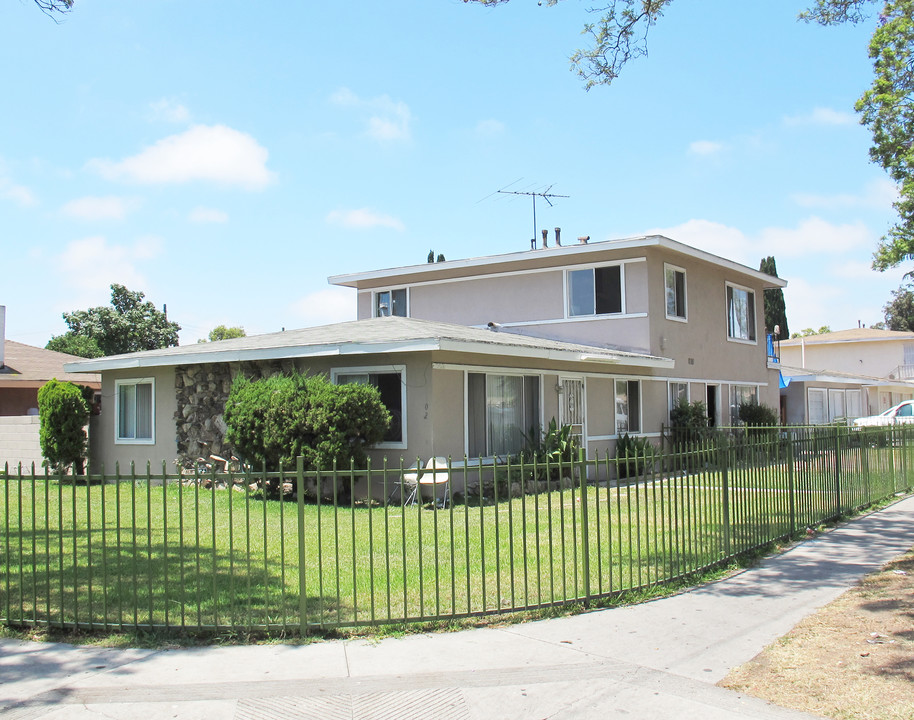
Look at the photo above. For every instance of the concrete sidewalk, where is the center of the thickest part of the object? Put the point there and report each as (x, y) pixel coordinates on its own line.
(655, 660)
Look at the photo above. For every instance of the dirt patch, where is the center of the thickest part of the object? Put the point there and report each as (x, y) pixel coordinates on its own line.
(852, 660)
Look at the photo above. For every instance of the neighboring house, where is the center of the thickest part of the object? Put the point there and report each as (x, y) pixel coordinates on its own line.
(470, 354)
(846, 374)
(23, 370)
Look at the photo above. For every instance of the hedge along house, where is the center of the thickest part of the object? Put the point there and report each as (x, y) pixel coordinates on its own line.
(470, 354)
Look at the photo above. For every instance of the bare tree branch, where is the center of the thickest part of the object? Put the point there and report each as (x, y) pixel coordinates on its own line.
(52, 7)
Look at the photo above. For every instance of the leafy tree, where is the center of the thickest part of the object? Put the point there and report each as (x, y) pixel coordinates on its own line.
(277, 419)
(775, 309)
(899, 312)
(64, 412)
(129, 325)
(221, 332)
(49, 7)
(619, 34)
(73, 344)
(806, 332)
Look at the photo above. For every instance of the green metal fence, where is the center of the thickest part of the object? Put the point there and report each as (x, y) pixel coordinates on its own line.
(216, 552)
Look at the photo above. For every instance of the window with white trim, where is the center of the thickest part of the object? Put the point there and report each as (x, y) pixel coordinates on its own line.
(628, 406)
(391, 384)
(740, 395)
(390, 302)
(134, 408)
(501, 410)
(740, 313)
(678, 390)
(595, 291)
(674, 279)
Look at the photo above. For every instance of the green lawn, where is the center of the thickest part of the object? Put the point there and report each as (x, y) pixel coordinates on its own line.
(137, 554)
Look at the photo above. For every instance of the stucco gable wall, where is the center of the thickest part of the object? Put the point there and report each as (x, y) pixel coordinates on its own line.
(873, 358)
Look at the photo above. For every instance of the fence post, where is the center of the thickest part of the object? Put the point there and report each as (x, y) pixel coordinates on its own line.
(724, 453)
(300, 497)
(837, 472)
(791, 485)
(585, 532)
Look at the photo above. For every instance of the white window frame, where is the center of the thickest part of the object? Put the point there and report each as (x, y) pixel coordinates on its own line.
(678, 386)
(592, 269)
(667, 267)
(752, 321)
(379, 291)
(734, 406)
(118, 384)
(381, 370)
(628, 381)
(487, 373)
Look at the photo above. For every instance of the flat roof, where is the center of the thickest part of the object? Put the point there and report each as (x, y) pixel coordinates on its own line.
(541, 258)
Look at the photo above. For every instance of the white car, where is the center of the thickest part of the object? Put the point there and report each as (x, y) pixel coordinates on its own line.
(902, 413)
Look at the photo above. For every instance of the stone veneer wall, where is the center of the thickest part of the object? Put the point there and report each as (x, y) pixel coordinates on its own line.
(201, 392)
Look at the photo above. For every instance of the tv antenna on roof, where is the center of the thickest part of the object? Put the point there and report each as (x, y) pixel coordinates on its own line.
(545, 194)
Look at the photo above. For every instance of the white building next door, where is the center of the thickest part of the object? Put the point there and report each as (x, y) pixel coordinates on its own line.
(571, 406)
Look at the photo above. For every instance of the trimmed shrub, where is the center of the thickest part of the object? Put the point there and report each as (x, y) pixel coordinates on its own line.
(64, 414)
(754, 414)
(275, 420)
(688, 423)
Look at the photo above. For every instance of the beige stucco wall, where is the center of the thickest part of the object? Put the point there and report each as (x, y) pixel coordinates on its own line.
(873, 358)
(108, 452)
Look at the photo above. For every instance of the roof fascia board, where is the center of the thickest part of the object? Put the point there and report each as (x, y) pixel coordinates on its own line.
(355, 279)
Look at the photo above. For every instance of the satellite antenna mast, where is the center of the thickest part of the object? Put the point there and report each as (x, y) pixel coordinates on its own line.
(534, 195)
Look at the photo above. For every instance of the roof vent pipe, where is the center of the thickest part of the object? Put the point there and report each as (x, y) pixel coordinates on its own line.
(583, 239)
(545, 238)
(558, 237)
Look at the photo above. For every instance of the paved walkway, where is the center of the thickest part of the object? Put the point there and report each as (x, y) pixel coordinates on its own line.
(655, 660)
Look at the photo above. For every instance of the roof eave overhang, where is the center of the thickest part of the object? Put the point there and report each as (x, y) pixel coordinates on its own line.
(348, 349)
(359, 280)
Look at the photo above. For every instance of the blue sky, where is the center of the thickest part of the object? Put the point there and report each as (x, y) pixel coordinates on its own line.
(225, 158)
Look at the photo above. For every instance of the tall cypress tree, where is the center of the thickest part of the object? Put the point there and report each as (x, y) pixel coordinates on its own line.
(775, 310)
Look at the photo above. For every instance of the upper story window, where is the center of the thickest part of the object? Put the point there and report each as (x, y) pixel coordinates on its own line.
(595, 291)
(675, 285)
(740, 313)
(390, 302)
(134, 408)
(391, 384)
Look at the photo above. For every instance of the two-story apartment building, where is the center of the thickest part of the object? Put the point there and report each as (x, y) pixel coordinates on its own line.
(471, 354)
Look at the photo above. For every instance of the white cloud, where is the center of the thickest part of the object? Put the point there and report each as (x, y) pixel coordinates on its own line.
(91, 265)
(100, 208)
(490, 128)
(214, 153)
(878, 194)
(19, 194)
(169, 110)
(207, 215)
(705, 147)
(385, 119)
(335, 304)
(812, 236)
(822, 116)
(363, 219)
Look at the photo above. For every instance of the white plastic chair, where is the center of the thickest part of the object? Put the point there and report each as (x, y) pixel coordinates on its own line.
(434, 473)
